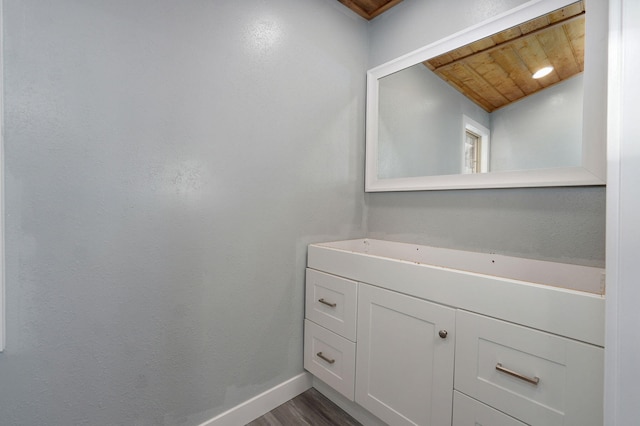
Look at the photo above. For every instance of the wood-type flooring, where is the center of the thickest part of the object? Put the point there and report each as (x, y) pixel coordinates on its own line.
(309, 408)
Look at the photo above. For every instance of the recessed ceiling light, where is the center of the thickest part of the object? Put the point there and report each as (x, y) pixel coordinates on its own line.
(542, 72)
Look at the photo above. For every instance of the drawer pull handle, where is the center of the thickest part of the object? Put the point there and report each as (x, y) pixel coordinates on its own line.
(329, 360)
(324, 302)
(533, 380)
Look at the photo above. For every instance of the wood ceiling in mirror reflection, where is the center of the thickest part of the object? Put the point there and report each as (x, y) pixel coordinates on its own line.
(369, 9)
(497, 70)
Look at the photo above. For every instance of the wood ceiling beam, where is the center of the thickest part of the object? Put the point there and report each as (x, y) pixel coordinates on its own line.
(503, 43)
(376, 8)
(384, 8)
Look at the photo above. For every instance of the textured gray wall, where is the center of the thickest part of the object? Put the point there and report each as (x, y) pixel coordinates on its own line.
(564, 224)
(167, 162)
(519, 141)
(420, 119)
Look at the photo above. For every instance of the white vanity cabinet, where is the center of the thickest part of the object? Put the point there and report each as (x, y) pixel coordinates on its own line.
(470, 412)
(330, 330)
(404, 357)
(386, 323)
(536, 377)
(404, 347)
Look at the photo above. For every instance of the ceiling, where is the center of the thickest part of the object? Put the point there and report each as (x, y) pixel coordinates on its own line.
(369, 9)
(497, 70)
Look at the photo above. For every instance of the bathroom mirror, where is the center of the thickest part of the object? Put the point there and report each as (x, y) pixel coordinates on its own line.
(466, 112)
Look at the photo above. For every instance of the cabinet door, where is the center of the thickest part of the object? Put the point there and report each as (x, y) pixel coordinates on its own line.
(404, 368)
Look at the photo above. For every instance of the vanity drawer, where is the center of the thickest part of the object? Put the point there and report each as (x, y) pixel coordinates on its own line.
(330, 357)
(469, 412)
(331, 302)
(499, 363)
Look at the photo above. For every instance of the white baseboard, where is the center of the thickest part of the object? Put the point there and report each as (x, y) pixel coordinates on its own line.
(263, 403)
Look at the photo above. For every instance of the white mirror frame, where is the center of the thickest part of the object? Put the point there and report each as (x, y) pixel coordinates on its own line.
(593, 169)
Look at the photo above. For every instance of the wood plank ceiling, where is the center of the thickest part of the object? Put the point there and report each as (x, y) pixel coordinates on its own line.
(369, 9)
(497, 70)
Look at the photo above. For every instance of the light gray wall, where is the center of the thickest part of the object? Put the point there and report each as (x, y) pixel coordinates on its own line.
(420, 124)
(416, 23)
(542, 130)
(167, 163)
(566, 224)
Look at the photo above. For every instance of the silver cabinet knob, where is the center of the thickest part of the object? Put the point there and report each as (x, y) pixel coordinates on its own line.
(443, 334)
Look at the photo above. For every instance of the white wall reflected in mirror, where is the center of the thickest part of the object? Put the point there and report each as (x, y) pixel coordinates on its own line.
(421, 118)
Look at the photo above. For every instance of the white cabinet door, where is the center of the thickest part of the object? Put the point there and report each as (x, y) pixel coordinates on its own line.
(404, 368)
